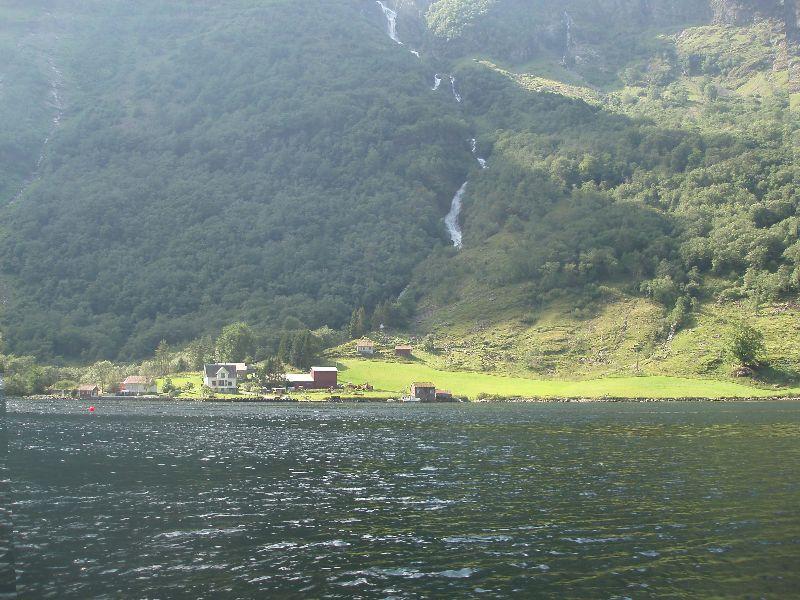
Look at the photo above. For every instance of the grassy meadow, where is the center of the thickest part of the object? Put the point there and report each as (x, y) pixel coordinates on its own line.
(396, 377)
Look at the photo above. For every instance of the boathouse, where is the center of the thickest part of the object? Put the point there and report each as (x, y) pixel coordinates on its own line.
(424, 391)
(89, 391)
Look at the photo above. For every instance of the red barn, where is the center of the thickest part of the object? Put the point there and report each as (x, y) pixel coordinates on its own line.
(325, 377)
(404, 351)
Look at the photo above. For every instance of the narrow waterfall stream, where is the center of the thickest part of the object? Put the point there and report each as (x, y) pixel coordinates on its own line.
(568, 23)
(55, 97)
(391, 20)
(57, 104)
(481, 161)
(451, 220)
(455, 91)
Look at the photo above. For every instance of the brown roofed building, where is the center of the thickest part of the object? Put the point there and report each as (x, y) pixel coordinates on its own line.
(89, 391)
(424, 391)
(365, 347)
(404, 351)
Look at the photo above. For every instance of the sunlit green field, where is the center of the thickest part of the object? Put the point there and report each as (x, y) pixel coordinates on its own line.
(397, 377)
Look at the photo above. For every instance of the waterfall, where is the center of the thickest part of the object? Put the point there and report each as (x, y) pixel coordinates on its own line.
(56, 102)
(391, 20)
(437, 81)
(455, 91)
(451, 220)
(55, 97)
(481, 161)
(568, 23)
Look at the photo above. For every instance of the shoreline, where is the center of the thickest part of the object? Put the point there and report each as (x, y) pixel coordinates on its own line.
(378, 400)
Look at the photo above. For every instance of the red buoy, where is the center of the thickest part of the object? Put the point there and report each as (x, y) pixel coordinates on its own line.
(91, 409)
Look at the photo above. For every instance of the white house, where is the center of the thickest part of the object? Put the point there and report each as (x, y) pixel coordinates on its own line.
(136, 385)
(221, 378)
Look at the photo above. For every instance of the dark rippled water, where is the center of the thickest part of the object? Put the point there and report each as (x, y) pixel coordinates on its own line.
(593, 501)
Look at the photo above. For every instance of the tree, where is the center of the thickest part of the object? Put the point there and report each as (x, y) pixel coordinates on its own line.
(296, 353)
(271, 373)
(181, 366)
(384, 315)
(284, 348)
(358, 323)
(746, 344)
(16, 385)
(168, 387)
(201, 352)
(305, 350)
(235, 343)
(162, 359)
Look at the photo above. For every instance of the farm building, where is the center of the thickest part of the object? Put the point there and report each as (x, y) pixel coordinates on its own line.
(136, 385)
(318, 378)
(424, 391)
(242, 370)
(444, 396)
(365, 347)
(403, 351)
(89, 391)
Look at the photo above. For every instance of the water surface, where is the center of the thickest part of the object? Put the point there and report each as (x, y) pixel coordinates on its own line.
(159, 499)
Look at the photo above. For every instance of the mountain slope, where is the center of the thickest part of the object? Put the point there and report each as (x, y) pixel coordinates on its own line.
(227, 161)
(281, 161)
(671, 196)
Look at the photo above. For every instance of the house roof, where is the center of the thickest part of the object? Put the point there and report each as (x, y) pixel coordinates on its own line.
(423, 384)
(299, 378)
(135, 379)
(212, 370)
(444, 393)
(365, 343)
(88, 387)
(402, 347)
(325, 369)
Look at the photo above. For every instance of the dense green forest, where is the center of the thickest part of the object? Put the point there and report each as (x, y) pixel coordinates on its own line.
(246, 160)
(287, 164)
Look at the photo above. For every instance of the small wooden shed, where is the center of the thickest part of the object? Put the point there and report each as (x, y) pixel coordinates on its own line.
(424, 391)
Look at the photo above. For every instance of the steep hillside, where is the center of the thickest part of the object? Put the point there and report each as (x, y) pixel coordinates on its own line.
(618, 228)
(290, 162)
(221, 161)
(30, 92)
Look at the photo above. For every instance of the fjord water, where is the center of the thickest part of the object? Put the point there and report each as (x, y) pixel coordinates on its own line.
(147, 499)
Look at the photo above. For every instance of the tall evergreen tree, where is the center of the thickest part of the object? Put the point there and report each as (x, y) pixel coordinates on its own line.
(285, 349)
(358, 323)
(162, 359)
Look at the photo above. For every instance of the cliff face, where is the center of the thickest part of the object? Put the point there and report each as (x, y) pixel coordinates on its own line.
(742, 12)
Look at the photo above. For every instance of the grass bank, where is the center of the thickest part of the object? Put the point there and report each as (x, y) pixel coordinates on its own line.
(396, 377)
